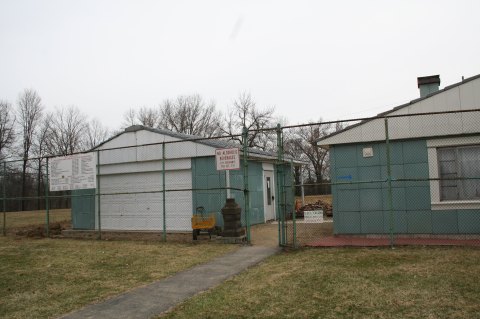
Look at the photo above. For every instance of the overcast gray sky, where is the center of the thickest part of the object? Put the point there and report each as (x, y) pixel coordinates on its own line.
(309, 59)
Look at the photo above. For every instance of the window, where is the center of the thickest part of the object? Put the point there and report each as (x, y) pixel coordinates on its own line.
(459, 172)
(454, 171)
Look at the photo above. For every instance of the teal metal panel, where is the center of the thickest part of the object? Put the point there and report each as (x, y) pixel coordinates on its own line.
(469, 221)
(214, 180)
(255, 186)
(345, 156)
(444, 222)
(396, 153)
(346, 175)
(415, 151)
(205, 176)
(348, 223)
(411, 200)
(419, 221)
(371, 200)
(349, 200)
(400, 223)
(397, 171)
(417, 171)
(83, 209)
(417, 198)
(398, 199)
(370, 174)
(372, 222)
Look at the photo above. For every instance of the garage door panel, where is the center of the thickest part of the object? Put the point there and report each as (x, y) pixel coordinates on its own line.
(144, 211)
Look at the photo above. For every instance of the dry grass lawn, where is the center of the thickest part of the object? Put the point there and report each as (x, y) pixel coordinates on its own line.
(45, 278)
(349, 283)
(34, 217)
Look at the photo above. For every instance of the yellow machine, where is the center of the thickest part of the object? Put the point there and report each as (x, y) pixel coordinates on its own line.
(203, 222)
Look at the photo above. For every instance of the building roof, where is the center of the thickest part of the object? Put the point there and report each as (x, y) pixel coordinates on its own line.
(212, 142)
(359, 132)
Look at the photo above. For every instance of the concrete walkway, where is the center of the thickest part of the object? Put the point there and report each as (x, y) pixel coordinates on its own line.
(153, 299)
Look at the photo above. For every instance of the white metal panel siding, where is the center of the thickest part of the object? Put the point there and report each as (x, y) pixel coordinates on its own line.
(150, 166)
(150, 152)
(470, 95)
(463, 97)
(126, 139)
(188, 149)
(142, 208)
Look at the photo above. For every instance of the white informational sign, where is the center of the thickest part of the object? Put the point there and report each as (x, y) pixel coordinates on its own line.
(73, 172)
(313, 216)
(227, 159)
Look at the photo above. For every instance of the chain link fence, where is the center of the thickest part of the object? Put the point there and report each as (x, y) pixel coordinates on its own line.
(393, 180)
(407, 178)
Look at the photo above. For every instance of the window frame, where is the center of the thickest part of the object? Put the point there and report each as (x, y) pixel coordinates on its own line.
(434, 172)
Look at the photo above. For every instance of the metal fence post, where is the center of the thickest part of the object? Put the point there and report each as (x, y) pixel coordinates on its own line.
(281, 221)
(38, 182)
(389, 183)
(4, 199)
(163, 194)
(98, 197)
(245, 181)
(294, 212)
(47, 206)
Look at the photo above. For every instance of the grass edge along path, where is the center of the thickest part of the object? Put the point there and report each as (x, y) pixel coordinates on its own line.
(410, 282)
(50, 277)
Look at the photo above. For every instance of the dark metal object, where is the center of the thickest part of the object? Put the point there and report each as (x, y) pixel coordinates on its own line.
(232, 213)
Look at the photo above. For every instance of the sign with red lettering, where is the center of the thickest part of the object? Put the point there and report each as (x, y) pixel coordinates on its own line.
(227, 159)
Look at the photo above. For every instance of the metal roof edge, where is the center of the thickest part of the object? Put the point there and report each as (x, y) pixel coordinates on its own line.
(399, 107)
(194, 138)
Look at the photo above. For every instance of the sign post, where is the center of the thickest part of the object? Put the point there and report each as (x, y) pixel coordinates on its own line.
(227, 159)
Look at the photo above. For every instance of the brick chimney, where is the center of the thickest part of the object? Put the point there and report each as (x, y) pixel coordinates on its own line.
(428, 84)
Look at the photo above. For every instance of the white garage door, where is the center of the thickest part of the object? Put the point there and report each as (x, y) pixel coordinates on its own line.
(144, 211)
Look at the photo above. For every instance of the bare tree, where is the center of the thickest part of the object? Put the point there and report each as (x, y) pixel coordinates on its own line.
(190, 115)
(43, 135)
(148, 116)
(95, 134)
(246, 114)
(130, 118)
(7, 132)
(301, 144)
(29, 115)
(40, 150)
(68, 127)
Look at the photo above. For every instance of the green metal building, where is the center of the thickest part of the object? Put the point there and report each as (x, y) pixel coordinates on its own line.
(134, 164)
(424, 180)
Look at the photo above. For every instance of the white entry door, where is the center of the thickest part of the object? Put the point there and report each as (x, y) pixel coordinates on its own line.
(269, 195)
